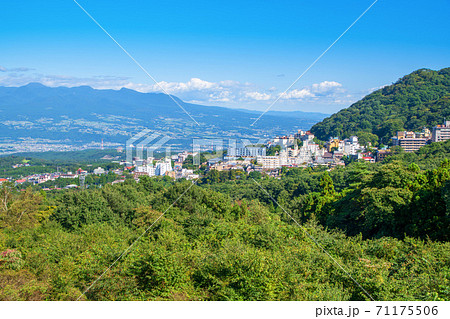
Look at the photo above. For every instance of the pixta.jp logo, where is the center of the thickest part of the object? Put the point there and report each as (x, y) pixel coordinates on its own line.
(146, 140)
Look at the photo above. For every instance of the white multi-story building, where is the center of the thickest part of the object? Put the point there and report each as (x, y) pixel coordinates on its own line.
(270, 162)
(292, 152)
(311, 146)
(308, 137)
(146, 169)
(409, 141)
(99, 171)
(441, 132)
(284, 140)
(246, 151)
(350, 146)
(305, 156)
(163, 167)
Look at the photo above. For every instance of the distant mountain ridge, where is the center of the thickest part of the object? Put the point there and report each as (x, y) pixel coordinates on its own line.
(81, 115)
(419, 99)
(85, 98)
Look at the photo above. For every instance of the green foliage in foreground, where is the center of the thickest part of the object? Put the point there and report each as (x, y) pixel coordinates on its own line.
(393, 199)
(207, 246)
(387, 224)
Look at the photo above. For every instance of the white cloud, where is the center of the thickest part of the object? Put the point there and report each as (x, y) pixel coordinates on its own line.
(199, 90)
(377, 88)
(222, 96)
(297, 94)
(193, 84)
(325, 86)
(19, 69)
(231, 83)
(258, 96)
(323, 89)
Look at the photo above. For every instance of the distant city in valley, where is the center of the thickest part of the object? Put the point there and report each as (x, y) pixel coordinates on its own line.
(296, 150)
(36, 118)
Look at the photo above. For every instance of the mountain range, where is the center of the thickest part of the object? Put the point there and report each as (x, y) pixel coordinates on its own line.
(35, 114)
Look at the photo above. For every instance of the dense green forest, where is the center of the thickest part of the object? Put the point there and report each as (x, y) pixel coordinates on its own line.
(224, 238)
(419, 99)
(41, 164)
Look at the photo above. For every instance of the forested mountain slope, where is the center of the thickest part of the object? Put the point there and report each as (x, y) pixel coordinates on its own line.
(207, 246)
(419, 99)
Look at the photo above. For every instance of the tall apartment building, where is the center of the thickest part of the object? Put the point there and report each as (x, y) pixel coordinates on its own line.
(163, 166)
(441, 132)
(269, 161)
(410, 141)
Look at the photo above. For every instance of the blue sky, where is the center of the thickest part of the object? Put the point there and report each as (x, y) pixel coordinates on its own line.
(240, 54)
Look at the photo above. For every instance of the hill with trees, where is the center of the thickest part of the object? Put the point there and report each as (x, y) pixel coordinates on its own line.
(419, 99)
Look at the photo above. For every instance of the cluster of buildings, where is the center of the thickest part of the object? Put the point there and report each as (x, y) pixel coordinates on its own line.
(146, 167)
(298, 150)
(42, 178)
(36, 179)
(20, 165)
(412, 141)
(301, 150)
(307, 152)
(163, 167)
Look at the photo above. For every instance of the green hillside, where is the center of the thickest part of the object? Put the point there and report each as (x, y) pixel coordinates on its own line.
(386, 224)
(419, 99)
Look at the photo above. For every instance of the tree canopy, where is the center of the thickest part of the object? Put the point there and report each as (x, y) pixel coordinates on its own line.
(226, 239)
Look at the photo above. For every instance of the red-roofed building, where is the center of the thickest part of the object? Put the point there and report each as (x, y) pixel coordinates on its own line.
(81, 172)
(369, 159)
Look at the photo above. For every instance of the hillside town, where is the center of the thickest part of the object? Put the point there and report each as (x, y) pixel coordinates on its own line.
(301, 149)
